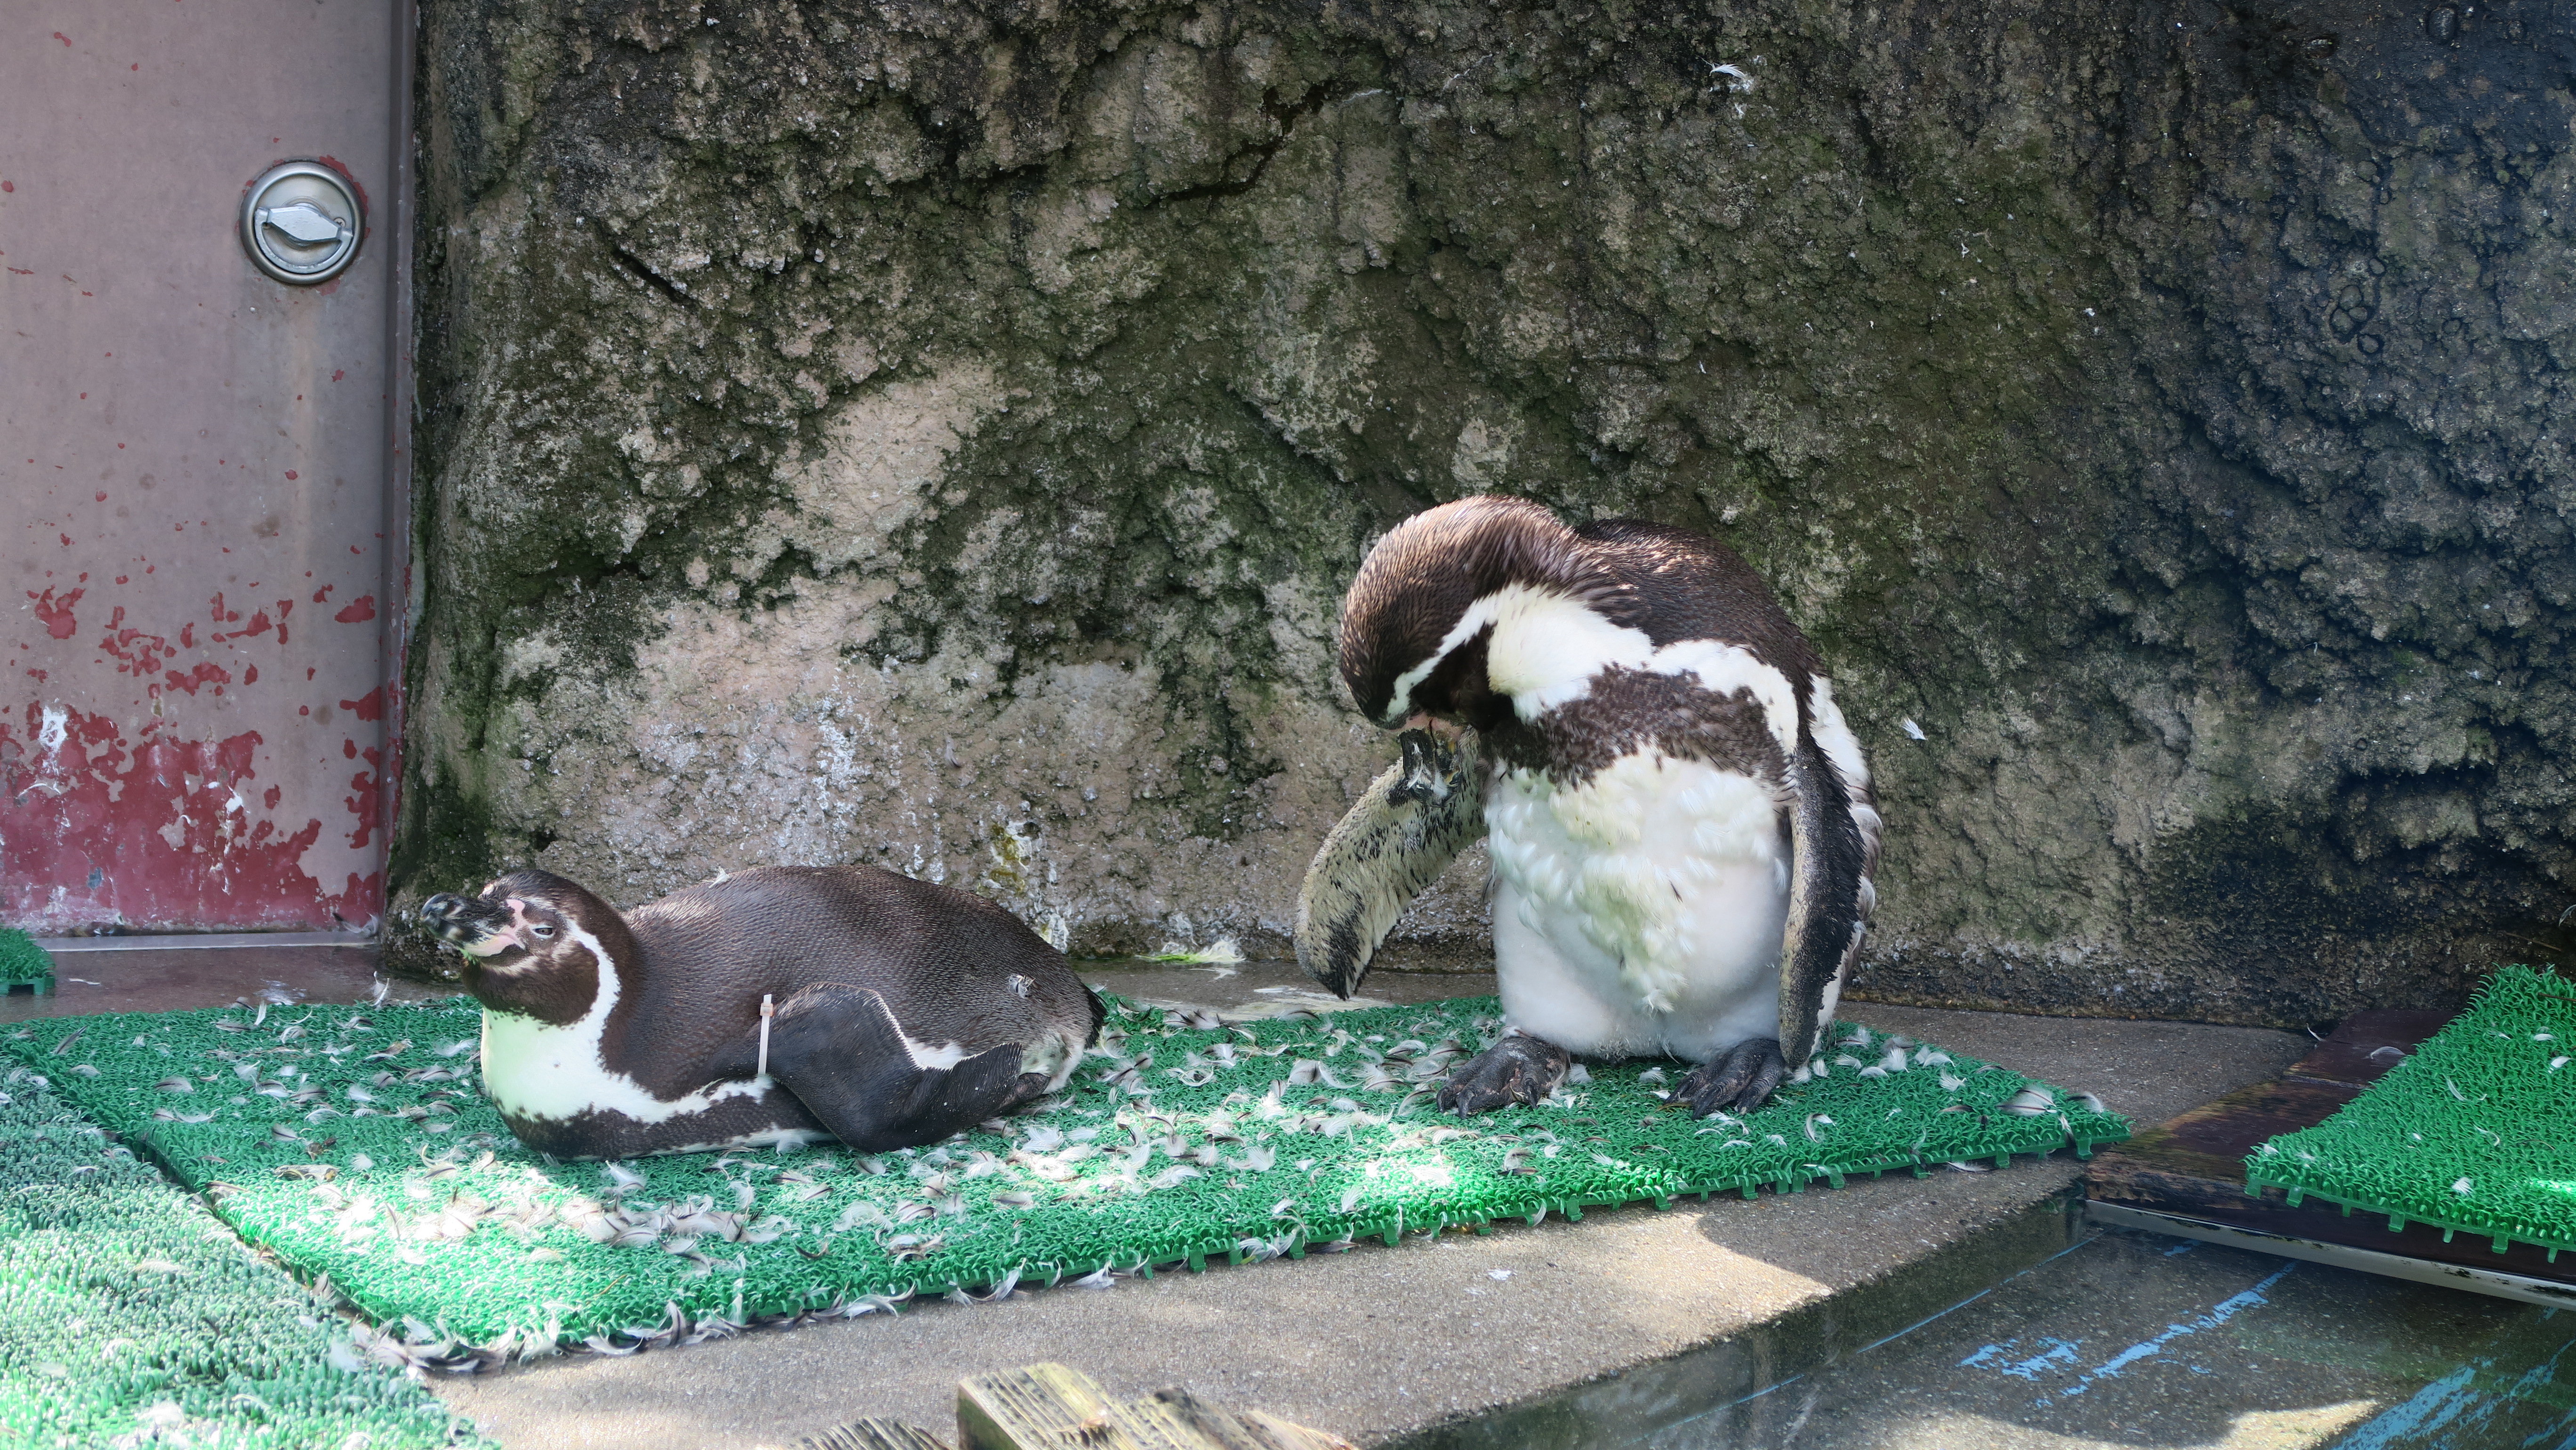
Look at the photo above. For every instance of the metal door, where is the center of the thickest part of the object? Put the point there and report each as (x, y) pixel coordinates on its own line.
(197, 723)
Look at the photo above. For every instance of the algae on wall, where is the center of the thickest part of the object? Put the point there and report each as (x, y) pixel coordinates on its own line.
(937, 434)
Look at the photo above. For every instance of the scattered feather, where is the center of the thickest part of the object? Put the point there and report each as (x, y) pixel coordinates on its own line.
(2030, 1102)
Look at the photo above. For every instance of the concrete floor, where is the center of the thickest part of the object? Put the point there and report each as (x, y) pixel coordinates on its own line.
(166, 978)
(1825, 1319)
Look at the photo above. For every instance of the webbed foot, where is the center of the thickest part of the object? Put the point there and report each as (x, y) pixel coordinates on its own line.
(1518, 1069)
(1739, 1079)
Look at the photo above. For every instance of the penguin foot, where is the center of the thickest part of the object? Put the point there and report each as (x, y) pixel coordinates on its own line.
(1518, 1069)
(1739, 1079)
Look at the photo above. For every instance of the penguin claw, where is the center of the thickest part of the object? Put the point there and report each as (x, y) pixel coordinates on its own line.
(1517, 1069)
(1739, 1079)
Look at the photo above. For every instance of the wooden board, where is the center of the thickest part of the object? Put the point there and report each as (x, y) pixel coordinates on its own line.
(873, 1435)
(1052, 1407)
(2194, 1165)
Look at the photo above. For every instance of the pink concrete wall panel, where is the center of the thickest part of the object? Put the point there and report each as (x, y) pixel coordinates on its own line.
(196, 463)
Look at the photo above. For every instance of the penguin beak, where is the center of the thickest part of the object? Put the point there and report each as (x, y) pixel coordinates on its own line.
(475, 927)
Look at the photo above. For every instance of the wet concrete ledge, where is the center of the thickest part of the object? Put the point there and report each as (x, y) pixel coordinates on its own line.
(1710, 1395)
(1630, 1327)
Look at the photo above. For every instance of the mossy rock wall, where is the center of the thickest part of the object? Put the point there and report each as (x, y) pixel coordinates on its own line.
(937, 434)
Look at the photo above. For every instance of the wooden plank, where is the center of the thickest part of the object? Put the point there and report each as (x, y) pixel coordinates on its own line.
(2210, 1141)
(2194, 1165)
(873, 1435)
(2367, 1045)
(1182, 1419)
(1241, 1430)
(1042, 1407)
(1052, 1407)
(2329, 1224)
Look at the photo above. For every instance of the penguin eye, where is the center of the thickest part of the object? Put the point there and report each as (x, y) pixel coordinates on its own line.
(542, 930)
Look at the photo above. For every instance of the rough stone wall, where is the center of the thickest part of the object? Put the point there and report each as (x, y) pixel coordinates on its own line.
(938, 433)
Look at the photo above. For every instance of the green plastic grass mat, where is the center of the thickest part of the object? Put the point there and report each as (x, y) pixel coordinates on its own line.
(354, 1144)
(129, 1315)
(2475, 1132)
(21, 960)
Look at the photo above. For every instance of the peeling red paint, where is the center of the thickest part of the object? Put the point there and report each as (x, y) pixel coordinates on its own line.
(366, 806)
(360, 610)
(205, 673)
(371, 708)
(57, 613)
(135, 652)
(96, 829)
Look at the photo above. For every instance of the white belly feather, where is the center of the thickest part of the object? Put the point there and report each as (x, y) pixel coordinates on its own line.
(533, 1069)
(1641, 912)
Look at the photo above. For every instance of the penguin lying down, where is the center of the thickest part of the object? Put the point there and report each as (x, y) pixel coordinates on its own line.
(1681, 824)
(901, 1012)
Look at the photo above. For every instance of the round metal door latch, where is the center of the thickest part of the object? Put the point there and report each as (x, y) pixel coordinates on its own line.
(301, 223)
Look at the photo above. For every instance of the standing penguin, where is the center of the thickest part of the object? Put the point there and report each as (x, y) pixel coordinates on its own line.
(1682, 827)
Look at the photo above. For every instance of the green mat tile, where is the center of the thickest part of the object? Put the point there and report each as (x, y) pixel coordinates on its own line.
(130, 1316)
(354, 1144)
(2474, 1132)
(22, 961)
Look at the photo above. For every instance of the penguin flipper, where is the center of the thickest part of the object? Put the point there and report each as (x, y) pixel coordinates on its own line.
(839, 1049)
(1833, 847)
(1403, 832)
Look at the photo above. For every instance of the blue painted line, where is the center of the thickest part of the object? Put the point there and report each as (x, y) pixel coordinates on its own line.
(1748, 1399)
(1900, 1334)
(1973, 1298)
(1989, 1352)
(2427, 1409)
(2060, 1352)
(2148, 1348)
(2453, 1413)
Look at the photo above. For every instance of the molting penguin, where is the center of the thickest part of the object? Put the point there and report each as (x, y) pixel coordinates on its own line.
(904, 1012)
(1681, 823)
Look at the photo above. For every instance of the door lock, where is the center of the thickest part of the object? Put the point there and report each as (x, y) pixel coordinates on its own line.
(301, 223)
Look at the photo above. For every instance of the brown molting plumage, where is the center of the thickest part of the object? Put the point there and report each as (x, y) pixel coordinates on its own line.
(1422, 576)
(1653, 730)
